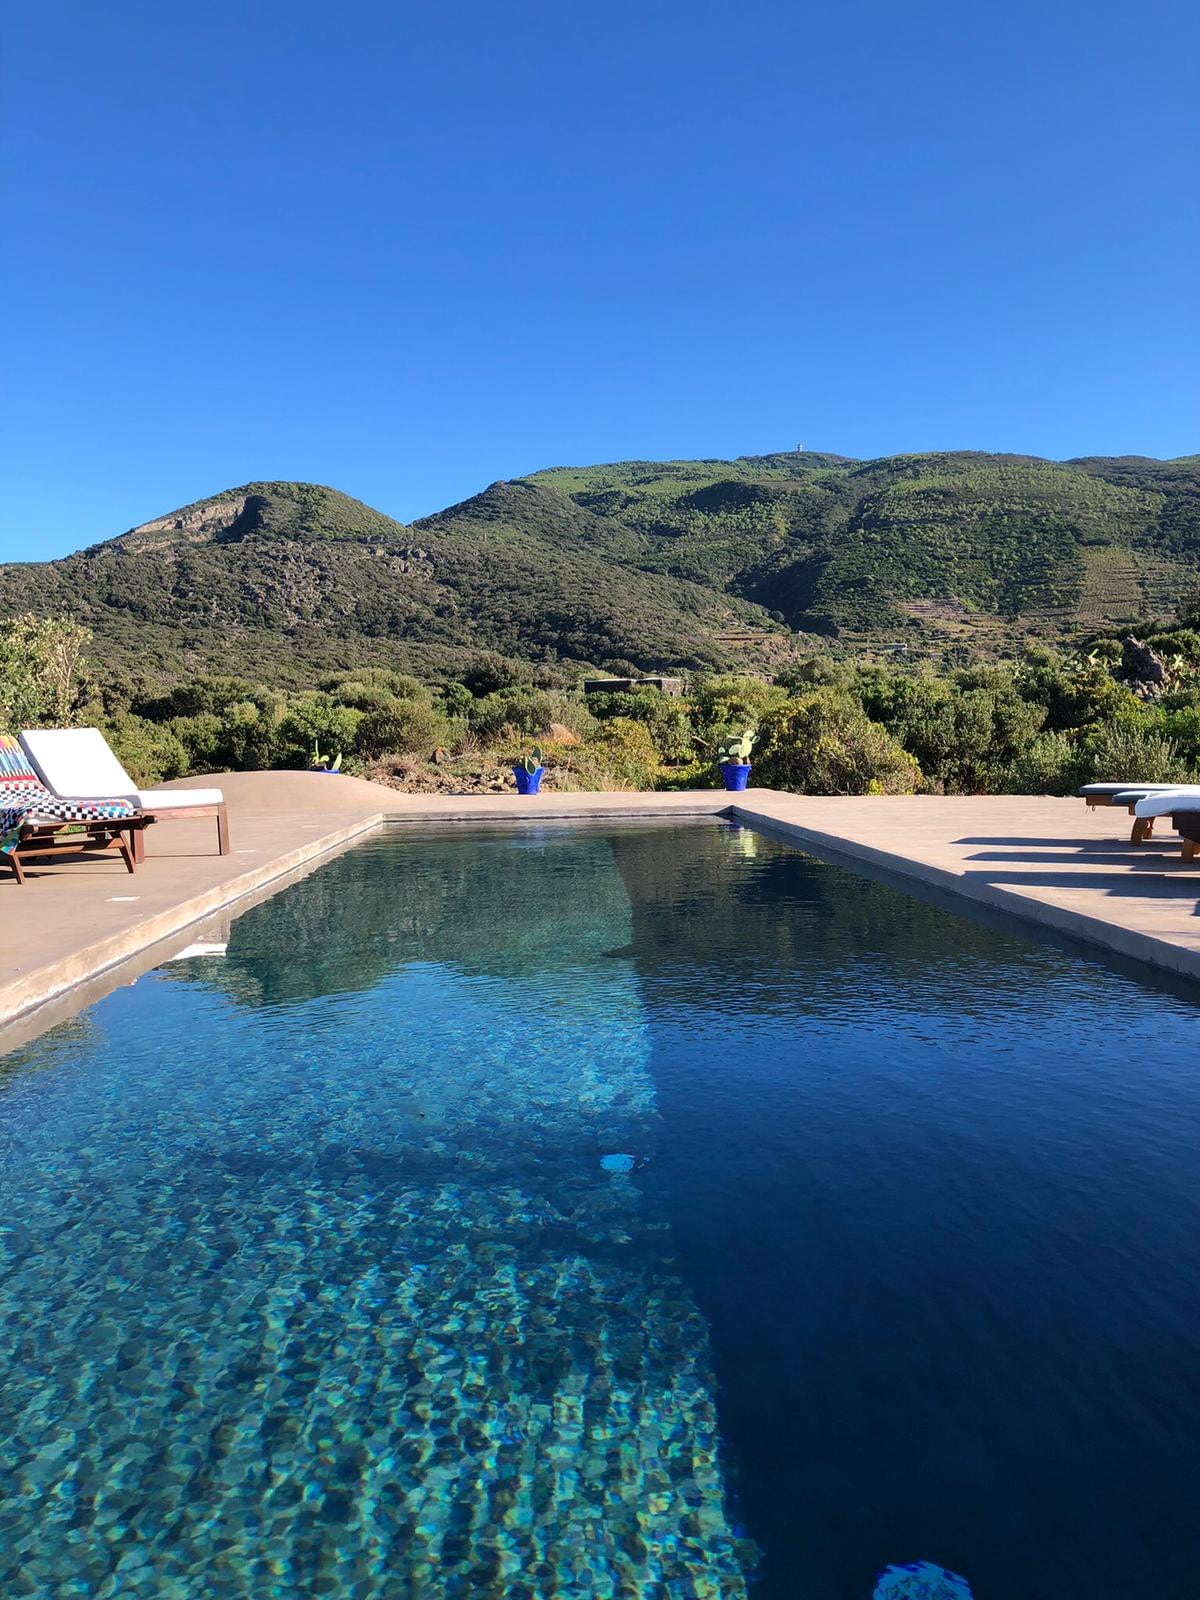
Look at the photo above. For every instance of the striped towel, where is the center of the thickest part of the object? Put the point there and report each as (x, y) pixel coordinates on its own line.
(14, 763)
(23, 802)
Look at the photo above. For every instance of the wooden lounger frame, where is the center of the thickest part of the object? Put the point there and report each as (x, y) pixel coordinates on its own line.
(1186, 824)
(1143, 827)
(40, 839)
(221, 812)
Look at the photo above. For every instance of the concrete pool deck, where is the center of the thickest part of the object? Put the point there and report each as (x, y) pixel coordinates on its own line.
(81, 925)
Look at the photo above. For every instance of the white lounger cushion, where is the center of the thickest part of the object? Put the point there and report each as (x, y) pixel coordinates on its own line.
(178, 799)
(1120, 788)
(1183, 798)
(1143, 791)
(77, 764)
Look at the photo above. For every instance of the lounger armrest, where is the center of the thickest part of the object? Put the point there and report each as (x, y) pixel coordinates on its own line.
(178, 799)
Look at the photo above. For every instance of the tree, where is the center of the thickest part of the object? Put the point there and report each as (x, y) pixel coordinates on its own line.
(491, 671)
(41, 670)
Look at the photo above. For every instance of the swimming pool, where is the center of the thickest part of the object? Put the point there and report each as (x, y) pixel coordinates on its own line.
(319, 1276)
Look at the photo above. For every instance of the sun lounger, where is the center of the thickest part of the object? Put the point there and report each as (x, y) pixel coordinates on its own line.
(1126, 795)
(35, 823)
(1182, 805)
(1115, 794)
(77, 763)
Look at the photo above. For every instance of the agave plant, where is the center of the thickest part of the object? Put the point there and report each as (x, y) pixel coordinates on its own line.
(532, 761)
(735, 750)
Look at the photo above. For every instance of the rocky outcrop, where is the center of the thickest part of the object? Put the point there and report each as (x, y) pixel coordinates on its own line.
(1142, 669)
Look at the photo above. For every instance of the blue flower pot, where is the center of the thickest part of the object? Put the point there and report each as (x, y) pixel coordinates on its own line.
(735, 773)
(528, 782)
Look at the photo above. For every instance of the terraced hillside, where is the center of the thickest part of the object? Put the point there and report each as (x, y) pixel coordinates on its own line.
(678, 563)
(921, 542)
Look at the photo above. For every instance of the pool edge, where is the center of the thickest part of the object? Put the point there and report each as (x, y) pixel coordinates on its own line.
(1148, 948)
(35, 1001)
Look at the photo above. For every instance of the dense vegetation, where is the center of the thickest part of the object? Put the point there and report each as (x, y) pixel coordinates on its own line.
(700, 565)
(1043, 723)
(968, 606)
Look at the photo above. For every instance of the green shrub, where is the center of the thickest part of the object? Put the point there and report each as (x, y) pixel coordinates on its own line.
(1051, 764)
(963, 732)
(528, 711)
(671, 726)
(669, 718)
(1184, 643)
(372, 687)
(1075, 694)
(639, 704)
(622, 751)
(728, 703)
(1131, 748)
(192, 696)
(1182, 727)
(253, 736)
(1106, 652)
(490, 671)
(150, 752)
(243, 735)
(814, 672)
(702, 774)
(402, 727)
(456, 699)
(316, 719)
(826, 744)
(203, 740)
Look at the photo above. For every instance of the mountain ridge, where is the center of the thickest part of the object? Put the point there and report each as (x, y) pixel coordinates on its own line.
(699, 563)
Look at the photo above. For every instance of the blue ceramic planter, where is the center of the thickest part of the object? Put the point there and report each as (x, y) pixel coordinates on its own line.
(528, 782)
(735, 773)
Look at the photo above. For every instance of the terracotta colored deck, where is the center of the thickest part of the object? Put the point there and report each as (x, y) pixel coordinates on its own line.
(80, 926)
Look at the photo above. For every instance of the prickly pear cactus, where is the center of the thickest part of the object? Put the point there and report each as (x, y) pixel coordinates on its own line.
(736, 749)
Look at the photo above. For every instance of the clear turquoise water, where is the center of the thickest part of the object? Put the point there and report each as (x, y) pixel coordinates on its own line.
(312, 1281)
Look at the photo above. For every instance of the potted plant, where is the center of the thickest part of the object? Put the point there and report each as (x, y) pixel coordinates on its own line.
(322, 763)
(733, 758)
(528, 772)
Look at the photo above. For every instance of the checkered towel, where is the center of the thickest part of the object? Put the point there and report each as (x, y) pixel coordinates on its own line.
(23, 802)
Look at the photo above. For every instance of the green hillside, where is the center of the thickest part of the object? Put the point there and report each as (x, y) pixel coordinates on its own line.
(276, 579)
(672, 564)
(919, 543)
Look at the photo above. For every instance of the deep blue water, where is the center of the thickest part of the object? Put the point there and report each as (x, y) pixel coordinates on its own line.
(312, 1281)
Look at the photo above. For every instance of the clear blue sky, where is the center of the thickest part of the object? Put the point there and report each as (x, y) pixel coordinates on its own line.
(406, 249)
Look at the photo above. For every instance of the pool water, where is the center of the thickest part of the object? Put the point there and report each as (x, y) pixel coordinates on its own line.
(318, 1276)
